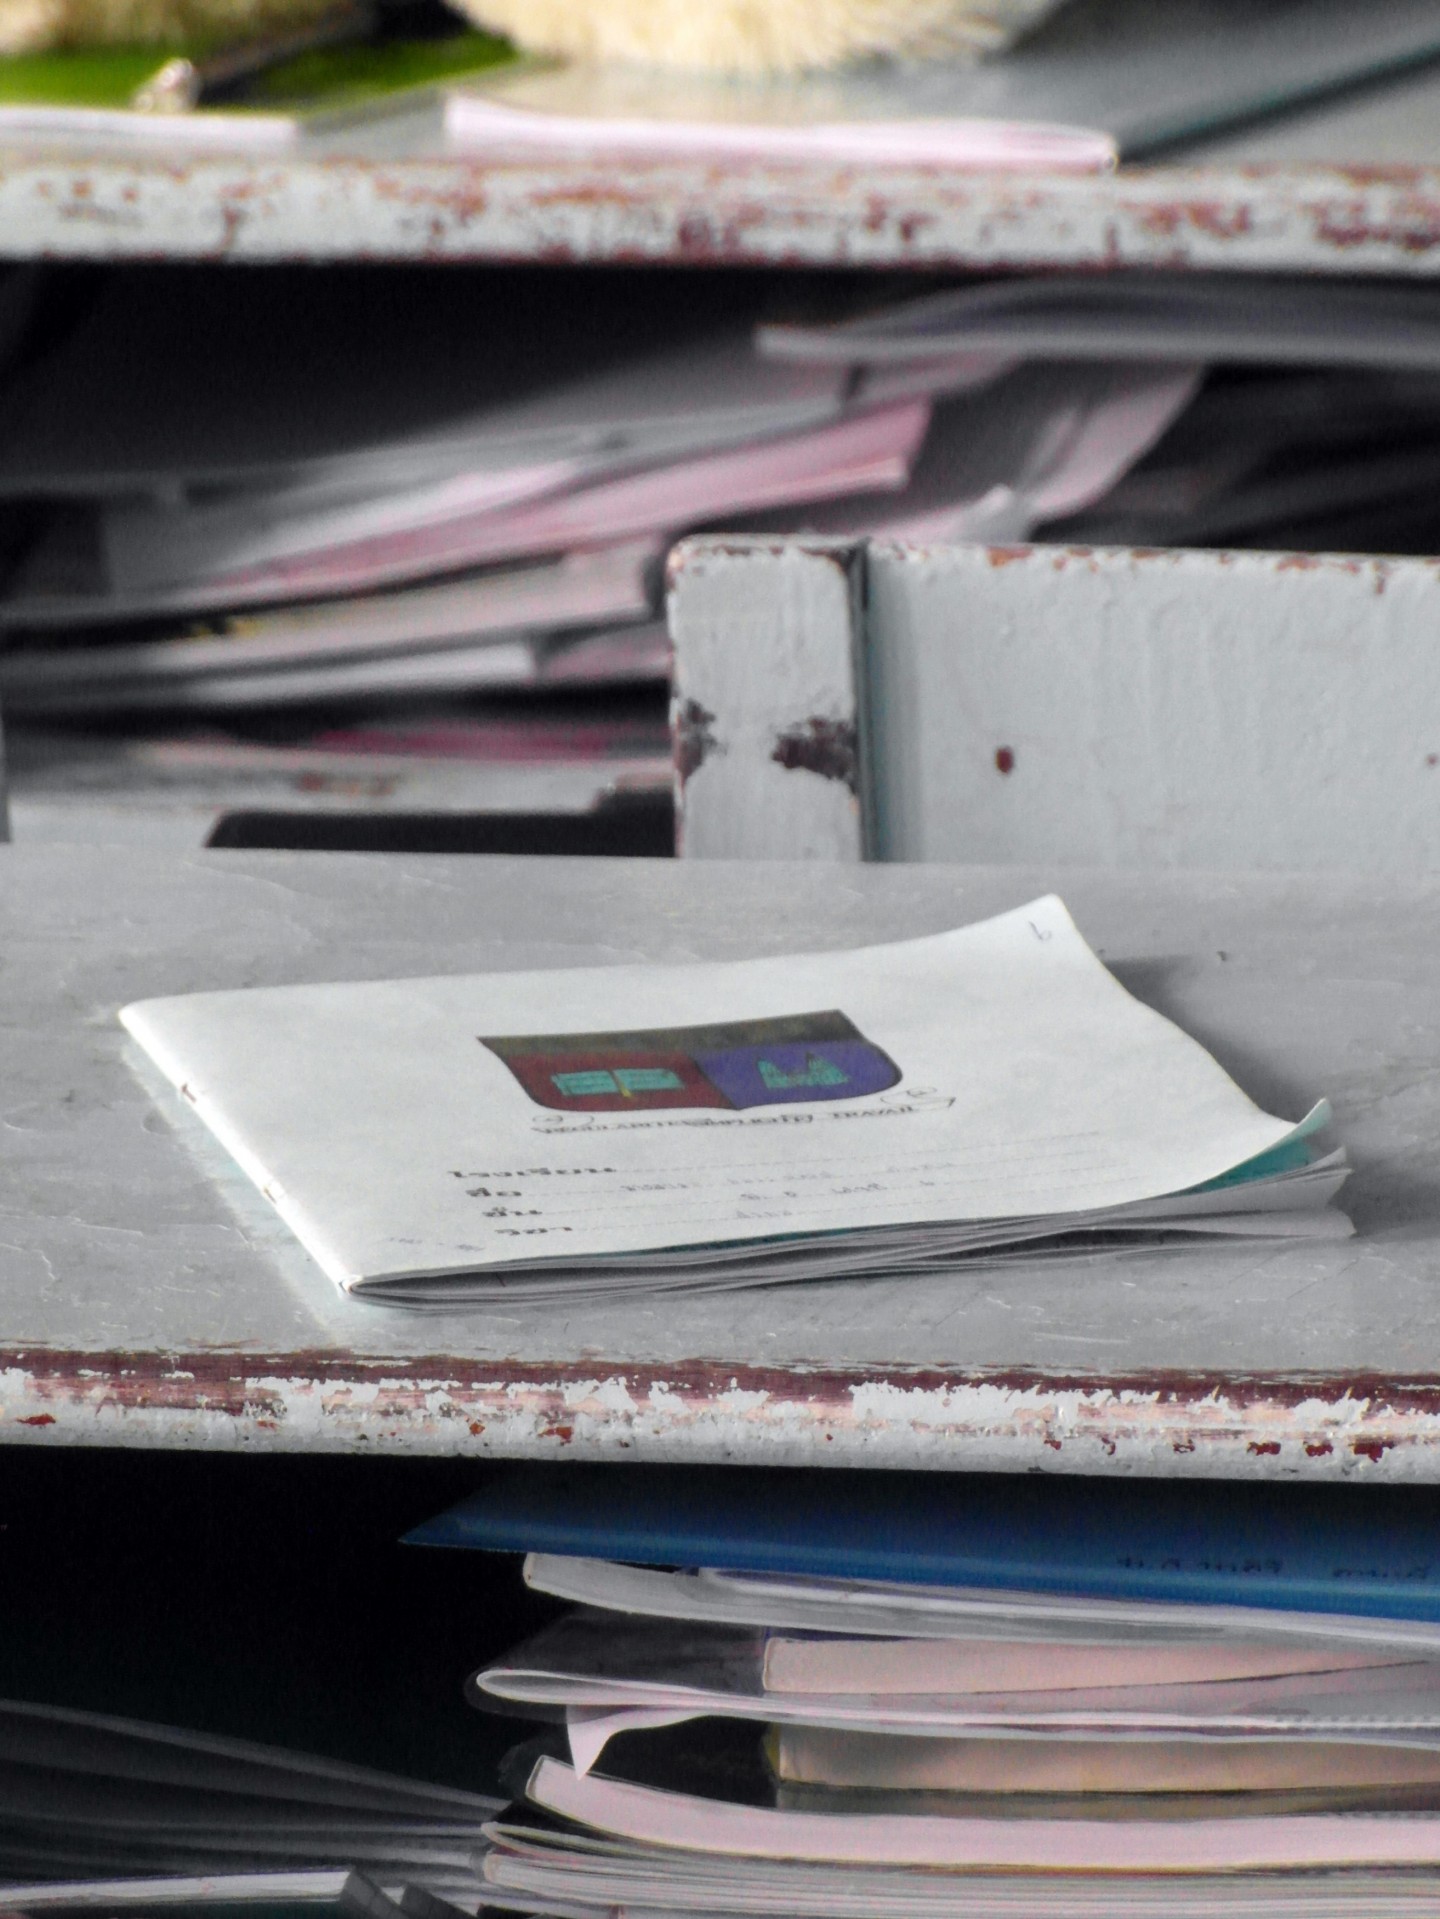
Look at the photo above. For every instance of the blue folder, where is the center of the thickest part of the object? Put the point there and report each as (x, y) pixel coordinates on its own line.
(1372, 1550)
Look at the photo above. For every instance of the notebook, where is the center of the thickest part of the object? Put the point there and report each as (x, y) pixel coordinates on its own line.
(709, 1768)
(925, 1554)
(635, 1129)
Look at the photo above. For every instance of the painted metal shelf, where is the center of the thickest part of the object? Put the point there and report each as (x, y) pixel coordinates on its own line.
(1353, 189)
(150, 1297)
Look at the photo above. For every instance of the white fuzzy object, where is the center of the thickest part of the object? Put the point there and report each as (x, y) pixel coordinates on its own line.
(33, 26)
(757, 36)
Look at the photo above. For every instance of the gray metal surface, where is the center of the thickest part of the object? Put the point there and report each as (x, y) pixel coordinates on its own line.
(1353, 188)
(1350, 184)
(149, 1296)
(1105, 707)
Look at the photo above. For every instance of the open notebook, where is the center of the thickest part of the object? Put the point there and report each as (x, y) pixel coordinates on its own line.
(886, 1111)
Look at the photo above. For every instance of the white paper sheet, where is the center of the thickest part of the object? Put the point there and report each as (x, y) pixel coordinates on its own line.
(680, 1821)
(1136, 317)
(865, 452)
(482, 124)
(588, 1876)
(1041, 442)
(892, 1610)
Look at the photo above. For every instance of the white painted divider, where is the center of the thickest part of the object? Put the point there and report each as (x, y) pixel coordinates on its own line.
(1249, 711)
(767, 726)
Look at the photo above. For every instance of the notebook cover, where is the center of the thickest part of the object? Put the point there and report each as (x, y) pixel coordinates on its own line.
(1366, 1550)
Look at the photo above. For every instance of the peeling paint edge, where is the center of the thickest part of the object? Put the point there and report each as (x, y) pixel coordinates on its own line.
(59, 203)
(1173, 1425)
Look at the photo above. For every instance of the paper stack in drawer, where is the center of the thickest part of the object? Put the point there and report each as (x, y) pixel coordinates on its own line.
(811, 1742)
(124, 1814)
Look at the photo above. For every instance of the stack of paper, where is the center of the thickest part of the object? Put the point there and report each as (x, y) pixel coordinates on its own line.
(887, 1112)
(437, 777)
(1315, 427)
(466, 487)
(462, 489)
(1090, 1699)
(1163, 316)
(442, 492)
(588, 614)
(249, 1895)
(83, 1795)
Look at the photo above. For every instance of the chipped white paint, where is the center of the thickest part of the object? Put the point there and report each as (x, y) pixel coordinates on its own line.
(1079, 707)
(767, 724)
(149, 1298)
(980, 1425)
(374, 194)
(1210, 710)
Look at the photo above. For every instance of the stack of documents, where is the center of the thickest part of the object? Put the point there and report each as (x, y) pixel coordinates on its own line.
(934, 1695)
(1315, 427)
(634, 1129)
(467, 487)
(87, 1796)
(457, 490)
(235, 534)
(189, 783)
(248, 1895)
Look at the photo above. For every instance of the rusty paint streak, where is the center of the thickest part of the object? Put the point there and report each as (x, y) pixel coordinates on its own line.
(243, 1381)
(693, 730)
(1256, 217)
(819, 745)
(324, 1364)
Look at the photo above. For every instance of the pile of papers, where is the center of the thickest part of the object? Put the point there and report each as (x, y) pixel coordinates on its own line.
(219, 1895)
(232, 533)
(495, 513)
(883, 1112)
(446, 777)
(1315, 426)
(83, 1795)
(448, 495)
(1008, 1723)
(459, 491)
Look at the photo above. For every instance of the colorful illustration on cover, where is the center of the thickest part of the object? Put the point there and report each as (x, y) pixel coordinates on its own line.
(760, 1062)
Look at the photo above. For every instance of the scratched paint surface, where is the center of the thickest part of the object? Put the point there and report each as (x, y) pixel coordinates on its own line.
(1136, 709)
(1236, 1427)
(348, 200)
(148, 1295)
(766, 721)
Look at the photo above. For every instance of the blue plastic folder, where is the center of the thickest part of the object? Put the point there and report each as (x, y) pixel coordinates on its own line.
(1371, 1550)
